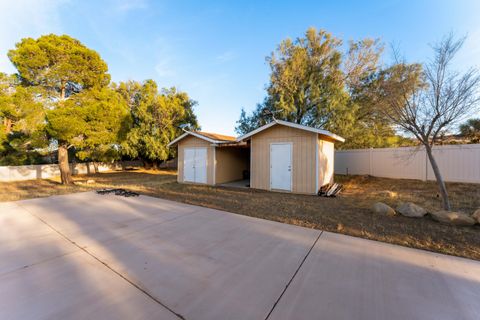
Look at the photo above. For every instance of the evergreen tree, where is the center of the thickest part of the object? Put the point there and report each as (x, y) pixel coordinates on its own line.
(22, 123)
(61, 66)
(95, 122)
(313, 83)
(157, 118)
(471, 129)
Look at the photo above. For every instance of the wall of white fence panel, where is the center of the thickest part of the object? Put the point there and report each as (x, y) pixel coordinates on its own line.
(458, 163)
(45, 171)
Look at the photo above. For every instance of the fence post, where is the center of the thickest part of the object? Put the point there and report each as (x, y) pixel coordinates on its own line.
(370, 162)
(426, 164)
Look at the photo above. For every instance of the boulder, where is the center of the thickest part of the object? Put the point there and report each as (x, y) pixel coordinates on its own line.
(409, 209)
(476, 215)
(90, 181)
(382, 208)
(453, 218)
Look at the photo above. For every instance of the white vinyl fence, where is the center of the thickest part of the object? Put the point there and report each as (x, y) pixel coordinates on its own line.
(458, 163)
(44, 171)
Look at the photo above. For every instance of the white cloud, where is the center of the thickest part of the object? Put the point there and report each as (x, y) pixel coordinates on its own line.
(26, 18)
(167, 61)
(226, 56)
(164, 68)
(128, 5)
(469, 55)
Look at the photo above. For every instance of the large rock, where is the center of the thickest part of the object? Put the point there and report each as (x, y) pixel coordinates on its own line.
(382, 208)
(409, 209)
(453, 218)
(476, 215)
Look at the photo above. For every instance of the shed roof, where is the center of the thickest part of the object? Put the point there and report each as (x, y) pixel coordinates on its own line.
(292, 125)
(216, 136)
(208, 136)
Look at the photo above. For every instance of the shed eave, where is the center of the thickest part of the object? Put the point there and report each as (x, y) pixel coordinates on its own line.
(292, 125)
(183, 136)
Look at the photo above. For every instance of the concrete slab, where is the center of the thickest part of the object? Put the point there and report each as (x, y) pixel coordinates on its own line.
(88, 218)
(211, 264)
(352, 278)
(25, 240)
(74, 286)
(237, 184)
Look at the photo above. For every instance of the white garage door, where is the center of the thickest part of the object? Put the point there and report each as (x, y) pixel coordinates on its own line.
(195, 165)
(281, 166)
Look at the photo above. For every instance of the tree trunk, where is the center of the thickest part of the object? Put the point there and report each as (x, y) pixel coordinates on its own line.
(8, 125)
(147, 165)
(62, 90)
(63, 164)
(438, 176)
(95, 166)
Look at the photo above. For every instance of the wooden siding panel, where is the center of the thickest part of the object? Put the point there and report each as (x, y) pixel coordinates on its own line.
(325, 162)
(303, 160)
(194, 142)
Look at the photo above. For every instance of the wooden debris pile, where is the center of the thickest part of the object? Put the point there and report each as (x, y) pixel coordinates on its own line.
(118, 192)
(330, 190)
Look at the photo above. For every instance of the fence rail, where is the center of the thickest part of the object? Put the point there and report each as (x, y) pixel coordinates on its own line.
(458, 163)
(45, 171)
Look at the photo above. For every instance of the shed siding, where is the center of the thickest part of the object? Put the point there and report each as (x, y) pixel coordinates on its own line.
(325, 161)
(231, 162)
(303, 160)
(189, 142)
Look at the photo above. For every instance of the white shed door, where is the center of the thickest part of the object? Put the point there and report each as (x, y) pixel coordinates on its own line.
(201, 165)
(281, 166)
(195, 165)
(189, 165)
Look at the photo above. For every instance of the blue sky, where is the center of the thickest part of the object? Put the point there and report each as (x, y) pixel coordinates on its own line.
(216, 50)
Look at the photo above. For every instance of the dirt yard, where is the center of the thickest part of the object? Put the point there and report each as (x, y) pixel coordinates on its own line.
(349, 213)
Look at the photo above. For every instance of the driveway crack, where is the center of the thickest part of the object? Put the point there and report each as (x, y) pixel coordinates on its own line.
(293, 276)
(106, 265)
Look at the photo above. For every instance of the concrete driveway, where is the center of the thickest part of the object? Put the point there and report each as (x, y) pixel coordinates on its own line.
(88, 256)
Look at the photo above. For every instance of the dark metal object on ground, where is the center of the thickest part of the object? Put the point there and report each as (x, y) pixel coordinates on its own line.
(330, 190)
(118, 192)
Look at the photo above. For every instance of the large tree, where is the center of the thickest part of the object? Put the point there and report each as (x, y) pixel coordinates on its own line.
(62, 66)
(95, 122)
(157, 118)
(8, 85)
(22, 122)
(471, 130)
(306, 81)
(312, 82)
(433, 103)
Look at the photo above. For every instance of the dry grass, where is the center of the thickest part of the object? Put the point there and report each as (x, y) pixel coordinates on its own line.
(349, 213)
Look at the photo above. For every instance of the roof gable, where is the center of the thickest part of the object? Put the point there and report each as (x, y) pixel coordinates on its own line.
(292, 125)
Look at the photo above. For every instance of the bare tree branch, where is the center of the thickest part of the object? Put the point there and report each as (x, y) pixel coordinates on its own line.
(426, 101)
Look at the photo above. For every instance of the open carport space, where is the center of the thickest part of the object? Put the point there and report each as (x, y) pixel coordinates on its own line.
(85, 256)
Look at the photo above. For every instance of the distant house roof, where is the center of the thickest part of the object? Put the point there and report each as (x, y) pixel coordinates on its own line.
(208, 136)
(292, 125)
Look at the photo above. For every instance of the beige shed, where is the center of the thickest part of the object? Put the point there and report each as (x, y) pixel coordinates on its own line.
(290, 157)
(209, 158)
(279, 156)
